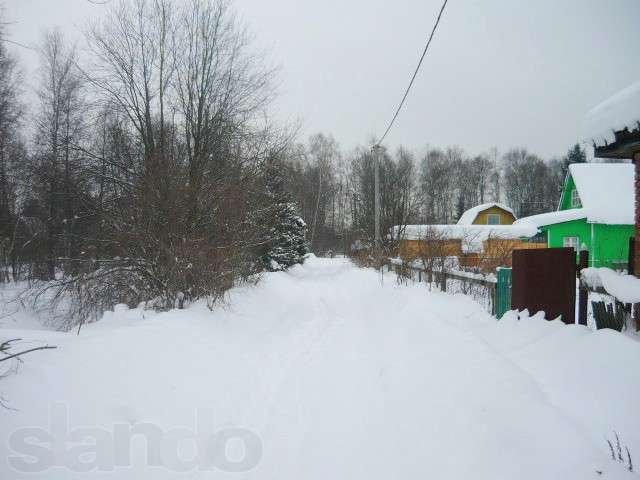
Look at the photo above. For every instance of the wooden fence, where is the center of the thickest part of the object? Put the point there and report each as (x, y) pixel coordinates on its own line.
(606, 310)
(481, 288)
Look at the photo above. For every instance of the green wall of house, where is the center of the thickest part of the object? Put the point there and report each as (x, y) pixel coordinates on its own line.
(576, 228)
(567, 195)
(608, 245)
(612, 245)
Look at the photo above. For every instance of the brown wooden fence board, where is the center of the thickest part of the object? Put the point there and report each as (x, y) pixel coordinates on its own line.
(545, 280)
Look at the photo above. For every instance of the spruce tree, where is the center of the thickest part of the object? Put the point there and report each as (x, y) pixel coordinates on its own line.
(284, 237)
(575, 155)
(460, 206)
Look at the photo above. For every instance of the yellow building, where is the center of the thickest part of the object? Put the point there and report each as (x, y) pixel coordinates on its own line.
(484, 238)
(488, 214)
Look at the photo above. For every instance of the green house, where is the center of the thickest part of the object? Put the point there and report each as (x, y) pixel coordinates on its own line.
(596, 212)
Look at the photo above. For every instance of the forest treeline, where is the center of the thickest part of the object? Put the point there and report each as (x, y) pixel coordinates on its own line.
(148, 168)
(335, 189)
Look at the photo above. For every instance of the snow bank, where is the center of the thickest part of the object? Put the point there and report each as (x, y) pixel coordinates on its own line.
(340, 373)
(468, 217)
(620, 111)
(625, 288)
(18, 313)
(586, 374)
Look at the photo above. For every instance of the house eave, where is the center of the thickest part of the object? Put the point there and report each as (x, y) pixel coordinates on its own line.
(625, 146)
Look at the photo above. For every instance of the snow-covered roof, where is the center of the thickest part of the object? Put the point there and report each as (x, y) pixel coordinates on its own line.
(470, 215)
(620, 111)
(552, 218)
(472, 236)
(607, 194)
(606, 191)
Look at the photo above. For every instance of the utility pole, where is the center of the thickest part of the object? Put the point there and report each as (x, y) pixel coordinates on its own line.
(376, 181)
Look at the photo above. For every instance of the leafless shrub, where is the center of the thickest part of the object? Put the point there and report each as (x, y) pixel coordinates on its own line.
(617, 454)
(8, 353)
(437, 251)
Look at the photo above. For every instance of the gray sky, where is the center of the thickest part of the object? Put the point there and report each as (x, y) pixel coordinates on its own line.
(501, 73)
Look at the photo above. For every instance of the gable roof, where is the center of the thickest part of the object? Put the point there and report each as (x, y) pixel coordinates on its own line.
(606, 191)
(468, 217)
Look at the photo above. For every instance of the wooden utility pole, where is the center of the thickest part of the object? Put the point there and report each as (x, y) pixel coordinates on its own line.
(376, 209)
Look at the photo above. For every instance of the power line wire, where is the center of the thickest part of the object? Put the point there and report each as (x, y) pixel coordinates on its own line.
(415, 74)
(13, 42)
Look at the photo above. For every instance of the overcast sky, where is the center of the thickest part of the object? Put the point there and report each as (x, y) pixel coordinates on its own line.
(500, 73)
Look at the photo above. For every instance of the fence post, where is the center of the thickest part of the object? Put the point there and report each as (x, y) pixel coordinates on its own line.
(632, 248)
(444, 281)
(493, 294)
(583, 292)
(503, 292)
(628, 317)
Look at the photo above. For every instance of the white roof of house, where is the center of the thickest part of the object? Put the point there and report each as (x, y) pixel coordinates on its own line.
(607, 194)
(607, 191)
(472, 236)
(618, 112)
(470, 215)
(552, 218)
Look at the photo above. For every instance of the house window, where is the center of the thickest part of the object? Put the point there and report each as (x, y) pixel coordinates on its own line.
(493, 219)
(573, 242)
(575, 199)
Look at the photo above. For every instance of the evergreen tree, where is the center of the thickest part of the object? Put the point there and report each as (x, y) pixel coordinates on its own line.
(285, 231)
(460, 206)
(575, 155)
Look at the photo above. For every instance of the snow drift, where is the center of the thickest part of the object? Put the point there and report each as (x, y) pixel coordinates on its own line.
(339, 373)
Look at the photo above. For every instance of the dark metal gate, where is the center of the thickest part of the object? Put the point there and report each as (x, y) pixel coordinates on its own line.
(545, 279)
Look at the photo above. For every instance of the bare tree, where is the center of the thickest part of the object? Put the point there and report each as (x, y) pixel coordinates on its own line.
(58, 127)
(528, 184)
(435, 250)
(11, 154)
(323, 155)
(438, 182)
(174, 157)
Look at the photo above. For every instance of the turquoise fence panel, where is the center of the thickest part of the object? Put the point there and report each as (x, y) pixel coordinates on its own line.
(503, 292)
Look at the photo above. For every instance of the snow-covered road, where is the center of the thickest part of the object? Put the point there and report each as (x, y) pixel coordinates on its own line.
(336, 373)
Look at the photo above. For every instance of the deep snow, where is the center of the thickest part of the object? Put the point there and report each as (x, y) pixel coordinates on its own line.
(344, 374)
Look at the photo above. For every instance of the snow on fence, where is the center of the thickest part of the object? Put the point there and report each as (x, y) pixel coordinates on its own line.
(613, 299)
(626, 288)
(482, 288)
